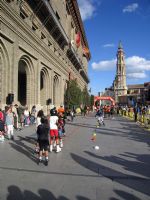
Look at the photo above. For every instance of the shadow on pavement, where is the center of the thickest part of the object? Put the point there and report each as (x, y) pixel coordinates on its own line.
(24, 149)
(15, 193)
(136, 135)
(124, 195)
(141, 166)
(28, 139)
(137, 183)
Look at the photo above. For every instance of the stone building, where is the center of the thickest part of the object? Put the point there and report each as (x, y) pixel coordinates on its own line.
(42, 46)
(119, 84)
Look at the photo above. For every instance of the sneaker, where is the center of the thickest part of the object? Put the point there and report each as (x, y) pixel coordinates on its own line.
(46, 162)
(61, 144)
(39, 161)
(51, 148)
(58, 149)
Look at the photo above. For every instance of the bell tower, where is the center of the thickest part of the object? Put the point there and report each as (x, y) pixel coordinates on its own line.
(120, 87)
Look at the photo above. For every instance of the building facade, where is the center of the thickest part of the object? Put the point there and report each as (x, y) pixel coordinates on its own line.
(41, 47)
(119, 84)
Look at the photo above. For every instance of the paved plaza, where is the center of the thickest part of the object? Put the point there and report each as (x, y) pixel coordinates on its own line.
(119, 170)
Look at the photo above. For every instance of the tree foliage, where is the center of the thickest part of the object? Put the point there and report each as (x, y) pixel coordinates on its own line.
(75, 96)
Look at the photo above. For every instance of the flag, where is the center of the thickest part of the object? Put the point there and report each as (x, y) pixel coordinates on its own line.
(85, 51)
(78, 39)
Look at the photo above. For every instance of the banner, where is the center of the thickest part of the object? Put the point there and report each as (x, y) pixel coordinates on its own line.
(78, 39)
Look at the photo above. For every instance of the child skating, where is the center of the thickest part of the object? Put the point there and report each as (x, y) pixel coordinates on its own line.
(100, 117)
(54, 137)
(61, 124)
(43, 139)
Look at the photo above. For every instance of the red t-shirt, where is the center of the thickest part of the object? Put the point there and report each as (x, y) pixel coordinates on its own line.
(1, 116)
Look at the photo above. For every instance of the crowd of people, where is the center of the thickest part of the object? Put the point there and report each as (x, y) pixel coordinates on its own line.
(50, 128)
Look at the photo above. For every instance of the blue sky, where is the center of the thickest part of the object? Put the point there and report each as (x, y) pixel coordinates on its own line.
(106, 22)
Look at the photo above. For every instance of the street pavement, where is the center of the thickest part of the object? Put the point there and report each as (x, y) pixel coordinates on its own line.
(119, 170)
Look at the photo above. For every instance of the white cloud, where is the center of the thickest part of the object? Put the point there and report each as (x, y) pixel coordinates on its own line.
(108, 45)
(105, 65)
(137, 63)
(87, 9)
(138, 75)
(136, 67)
(131, 8)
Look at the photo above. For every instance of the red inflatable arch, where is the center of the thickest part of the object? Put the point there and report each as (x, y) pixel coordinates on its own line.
(104, 98)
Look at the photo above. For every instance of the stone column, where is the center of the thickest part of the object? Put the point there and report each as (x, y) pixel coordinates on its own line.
(15, 65)
(52, 85)
(37, 80)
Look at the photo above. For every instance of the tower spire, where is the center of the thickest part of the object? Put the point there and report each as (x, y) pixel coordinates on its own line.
(120, 88)
(120, 45)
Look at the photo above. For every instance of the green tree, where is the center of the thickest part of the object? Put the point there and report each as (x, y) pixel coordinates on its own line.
(85, 96)
(73, 94)
(92, 100)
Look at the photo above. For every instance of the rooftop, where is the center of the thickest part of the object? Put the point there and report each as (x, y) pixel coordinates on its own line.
(137, 86)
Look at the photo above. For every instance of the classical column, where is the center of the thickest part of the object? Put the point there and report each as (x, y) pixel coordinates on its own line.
(37, 80)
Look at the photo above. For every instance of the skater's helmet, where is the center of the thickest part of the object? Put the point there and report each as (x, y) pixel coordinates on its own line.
(53, 112)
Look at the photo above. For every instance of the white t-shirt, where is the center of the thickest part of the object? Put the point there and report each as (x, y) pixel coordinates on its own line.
(38, 121)
(53, 122)
(26, 113)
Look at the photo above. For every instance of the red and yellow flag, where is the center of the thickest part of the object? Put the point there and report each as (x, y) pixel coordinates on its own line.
(85, 51)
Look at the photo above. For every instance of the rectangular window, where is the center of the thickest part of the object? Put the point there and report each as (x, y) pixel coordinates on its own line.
(43, 36)
(57, 15)
(34, 27)
(49, 43)
(23, 14)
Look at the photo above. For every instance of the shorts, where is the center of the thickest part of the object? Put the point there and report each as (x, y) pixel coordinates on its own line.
(54, 132)
(43, 145)
(60, 132)
(1, 125)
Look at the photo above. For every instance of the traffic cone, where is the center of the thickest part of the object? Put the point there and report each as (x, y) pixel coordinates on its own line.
(93, 136)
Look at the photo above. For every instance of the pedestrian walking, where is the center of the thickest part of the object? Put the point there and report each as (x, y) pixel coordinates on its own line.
(20, 111)
(72, 115)
(135, 113)
(2, 129)
(9, 123)
(33, 115)
(26, 117)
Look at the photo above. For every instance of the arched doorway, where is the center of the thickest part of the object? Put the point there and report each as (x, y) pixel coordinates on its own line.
(44, 82)
(22, 83)
(26, 81)
(55, 90)
(6, 85)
